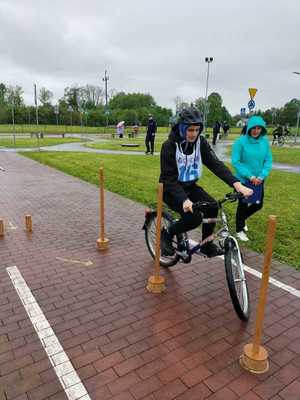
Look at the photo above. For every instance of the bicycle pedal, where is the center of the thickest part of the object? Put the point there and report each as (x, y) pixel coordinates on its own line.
(185, 257)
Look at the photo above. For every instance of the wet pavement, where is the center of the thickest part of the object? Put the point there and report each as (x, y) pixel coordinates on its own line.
(93, 315)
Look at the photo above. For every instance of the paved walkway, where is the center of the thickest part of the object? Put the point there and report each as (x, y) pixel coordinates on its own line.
(125, 343)
(220, 150)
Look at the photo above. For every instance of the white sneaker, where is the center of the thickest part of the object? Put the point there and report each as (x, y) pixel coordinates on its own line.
(245, 228)
(242, 236)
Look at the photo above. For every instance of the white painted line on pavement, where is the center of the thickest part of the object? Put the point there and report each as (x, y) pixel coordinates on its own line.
(62, 366)
(273, 281)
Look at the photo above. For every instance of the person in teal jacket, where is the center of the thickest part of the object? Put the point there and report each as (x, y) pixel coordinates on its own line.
(252, 161)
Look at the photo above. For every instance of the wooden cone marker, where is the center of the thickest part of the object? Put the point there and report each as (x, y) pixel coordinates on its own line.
(102, 242)
(255, 356)
(1, 228)
(28, 223)
(156, 283)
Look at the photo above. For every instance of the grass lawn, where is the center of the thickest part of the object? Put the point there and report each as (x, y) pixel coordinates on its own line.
(284, 155)
(23, 143)
(59, 129)
(136, 178)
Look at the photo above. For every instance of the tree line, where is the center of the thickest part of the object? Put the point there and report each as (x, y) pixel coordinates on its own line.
(80, 105)
(86, 105)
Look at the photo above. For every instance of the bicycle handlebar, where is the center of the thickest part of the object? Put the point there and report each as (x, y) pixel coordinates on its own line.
(229, 197)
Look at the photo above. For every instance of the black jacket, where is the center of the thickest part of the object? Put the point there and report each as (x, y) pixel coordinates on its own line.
(151, 128)
(216, 127)
(169, 171)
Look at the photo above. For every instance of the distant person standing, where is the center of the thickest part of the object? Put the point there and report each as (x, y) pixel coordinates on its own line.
(244, 129)
(150, 135)
(121, 129)
(277, 134)
(225, 128)
(216, 131)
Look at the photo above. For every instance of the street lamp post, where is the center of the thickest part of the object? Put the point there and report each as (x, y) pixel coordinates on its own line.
(56, 112)
(105, 79)
(80, 109)
(37, 116)
(13, 120)
(208, 60)
(70, 109)
(298, 116)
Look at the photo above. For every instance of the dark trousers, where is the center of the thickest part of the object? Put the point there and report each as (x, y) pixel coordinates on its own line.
(215, 135)
(244, 211)
(190, 220)
(150, 143)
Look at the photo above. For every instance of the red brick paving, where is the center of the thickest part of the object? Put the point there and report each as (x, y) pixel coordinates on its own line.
(125, 343)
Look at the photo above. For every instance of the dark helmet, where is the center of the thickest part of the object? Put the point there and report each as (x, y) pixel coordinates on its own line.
(189, 116)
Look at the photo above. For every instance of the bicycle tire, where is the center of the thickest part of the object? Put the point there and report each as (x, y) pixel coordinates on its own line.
(150, 238)
(234, 273)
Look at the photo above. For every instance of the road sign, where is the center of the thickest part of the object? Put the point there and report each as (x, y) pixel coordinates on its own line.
(252, 92)
(243, 111)
(251, 104)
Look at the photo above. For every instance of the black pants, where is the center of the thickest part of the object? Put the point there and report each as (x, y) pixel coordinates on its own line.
(150, 143)
(244, 211)
(190, 220)
(215, 135)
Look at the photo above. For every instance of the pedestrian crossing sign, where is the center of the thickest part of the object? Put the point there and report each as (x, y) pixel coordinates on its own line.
(252, 92)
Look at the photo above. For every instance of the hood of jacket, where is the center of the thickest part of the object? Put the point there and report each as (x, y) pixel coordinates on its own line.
(256, 120)
(187, 147)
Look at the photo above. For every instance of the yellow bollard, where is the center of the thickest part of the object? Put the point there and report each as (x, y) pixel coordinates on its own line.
(156, 283)
(255, 357)
(1, 228)
(28, 223)
(102, 242)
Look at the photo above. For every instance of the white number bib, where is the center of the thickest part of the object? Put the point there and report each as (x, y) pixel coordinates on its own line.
(189, 166)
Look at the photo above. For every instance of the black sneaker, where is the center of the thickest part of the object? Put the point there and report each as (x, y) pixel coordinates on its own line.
(166, 243)
(210, 249)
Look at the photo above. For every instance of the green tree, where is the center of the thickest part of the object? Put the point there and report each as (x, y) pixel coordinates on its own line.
(71, 96)
(45, 96)
(2, 93)
(200, 104)
(131, 101)
(14, 95)
(215, 111)
(288, 114)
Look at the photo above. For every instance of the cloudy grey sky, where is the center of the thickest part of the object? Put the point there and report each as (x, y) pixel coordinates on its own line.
(154, 46)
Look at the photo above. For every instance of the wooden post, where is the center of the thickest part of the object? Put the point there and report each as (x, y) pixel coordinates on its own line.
(255, 356)
(102, 242)
(156, 283)
(28, 223)
(1, 228)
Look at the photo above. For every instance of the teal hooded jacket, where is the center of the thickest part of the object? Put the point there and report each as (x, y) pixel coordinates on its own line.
(252, 156)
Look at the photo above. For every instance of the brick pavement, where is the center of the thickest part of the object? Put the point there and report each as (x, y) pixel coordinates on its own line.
(125, 343)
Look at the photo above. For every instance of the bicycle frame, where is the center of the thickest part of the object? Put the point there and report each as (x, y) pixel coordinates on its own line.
(222, 233)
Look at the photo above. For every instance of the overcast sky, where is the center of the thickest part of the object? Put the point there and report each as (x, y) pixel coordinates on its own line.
(154, 46)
